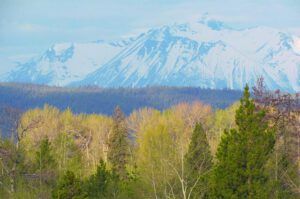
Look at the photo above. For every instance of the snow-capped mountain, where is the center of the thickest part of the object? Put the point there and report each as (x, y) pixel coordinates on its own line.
(64, 63)
(207, 54)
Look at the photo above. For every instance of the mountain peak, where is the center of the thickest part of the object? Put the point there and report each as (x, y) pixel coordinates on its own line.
(207, 54)
(61, 52)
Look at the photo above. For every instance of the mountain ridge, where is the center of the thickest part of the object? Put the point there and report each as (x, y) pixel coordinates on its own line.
(207, 54)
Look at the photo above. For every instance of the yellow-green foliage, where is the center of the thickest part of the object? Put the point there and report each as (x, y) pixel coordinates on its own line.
(162, 140)
(159, 139)
(222, 119)
(85, 135)
(158, 146)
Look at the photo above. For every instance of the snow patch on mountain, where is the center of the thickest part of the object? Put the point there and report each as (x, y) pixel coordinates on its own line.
(64, 63)
(296, 45)
(198, 54)
(207, 53)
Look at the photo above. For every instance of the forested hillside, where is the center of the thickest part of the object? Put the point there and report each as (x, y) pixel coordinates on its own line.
(98, 100)
(149, 99)
(190, 150)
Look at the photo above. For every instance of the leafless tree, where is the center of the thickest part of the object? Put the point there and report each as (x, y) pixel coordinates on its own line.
(10, 121)
(283, 112)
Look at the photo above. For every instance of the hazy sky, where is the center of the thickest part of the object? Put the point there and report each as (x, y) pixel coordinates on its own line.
(31, 26)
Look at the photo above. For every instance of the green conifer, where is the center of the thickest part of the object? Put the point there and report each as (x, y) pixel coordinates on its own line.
(242, 155)
(97, 184)
(119, 145)
(198, 161)
(69, 187)
(44, 157)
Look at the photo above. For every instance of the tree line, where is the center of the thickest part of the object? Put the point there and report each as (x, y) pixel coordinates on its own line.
(248, 150)
(104, 100)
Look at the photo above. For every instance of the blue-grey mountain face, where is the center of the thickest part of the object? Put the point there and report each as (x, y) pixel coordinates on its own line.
(206, 54)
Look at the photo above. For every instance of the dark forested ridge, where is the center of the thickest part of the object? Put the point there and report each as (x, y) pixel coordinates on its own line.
(99, 100)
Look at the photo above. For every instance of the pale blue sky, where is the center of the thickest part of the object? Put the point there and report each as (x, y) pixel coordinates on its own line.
(31, 26)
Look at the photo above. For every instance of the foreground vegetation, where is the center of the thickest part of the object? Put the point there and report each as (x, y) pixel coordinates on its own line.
(249, 150)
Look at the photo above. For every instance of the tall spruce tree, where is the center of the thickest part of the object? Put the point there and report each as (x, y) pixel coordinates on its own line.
(45, 162)
(97, 184)
(242, 155)
(44, 157)
(198, 162)
(119, 144)
(69, 187)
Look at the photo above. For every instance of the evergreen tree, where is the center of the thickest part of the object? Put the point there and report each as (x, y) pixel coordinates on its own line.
(119, 144)
(69, 187)
(45, 166)
(198, 161)
(44, 157)
(242, 155)
(98, 183)
(106, 184)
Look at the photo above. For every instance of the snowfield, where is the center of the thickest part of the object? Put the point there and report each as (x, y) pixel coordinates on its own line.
(207, 54)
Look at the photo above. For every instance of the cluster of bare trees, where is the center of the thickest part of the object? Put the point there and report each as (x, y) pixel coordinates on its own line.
(283, 110)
